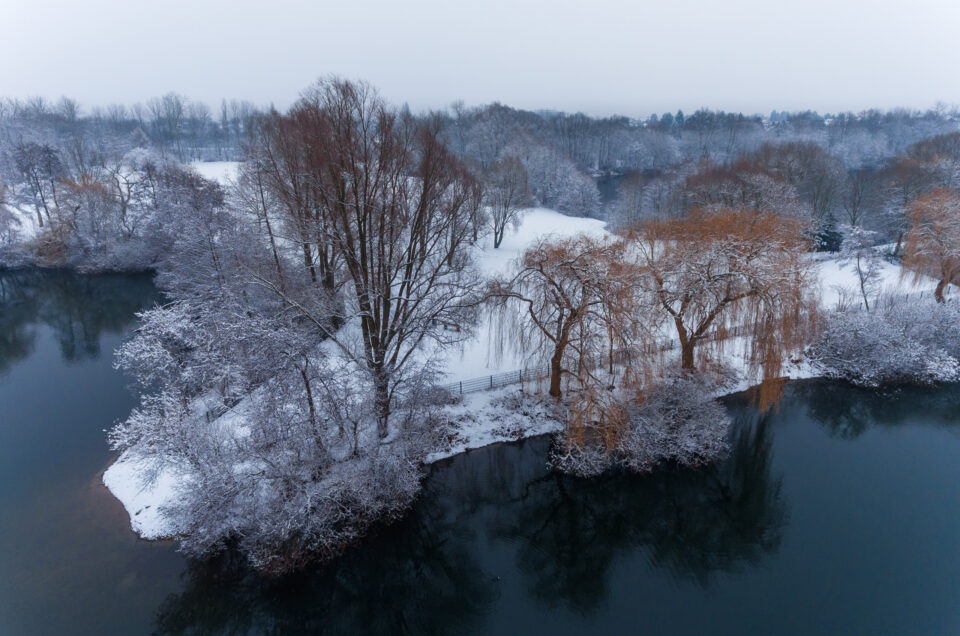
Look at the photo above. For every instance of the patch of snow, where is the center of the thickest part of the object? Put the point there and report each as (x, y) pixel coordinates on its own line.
(500, 415)
(479, 356)
(143, 502)
(223, 172)
(840, 279)
(535, 223)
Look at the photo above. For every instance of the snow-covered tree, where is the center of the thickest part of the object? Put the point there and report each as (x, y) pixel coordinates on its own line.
(932, 245)
(859, 253)
(676, 420)
(899, 342)
(713, 272)
(393, 207)
(505, 194)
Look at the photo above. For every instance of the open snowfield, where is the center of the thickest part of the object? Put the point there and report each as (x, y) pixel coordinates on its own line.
(480, 418)
(479, 356)
(223, 172)
(840, 279)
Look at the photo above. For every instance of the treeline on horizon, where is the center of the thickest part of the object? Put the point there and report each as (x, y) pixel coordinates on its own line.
(844, 170)
(191, 131)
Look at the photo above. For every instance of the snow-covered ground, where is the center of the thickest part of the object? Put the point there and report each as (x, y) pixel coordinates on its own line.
(484, 418)
(223, 172)
(840, 279)
(28, 227)
(478, 357)
(123, 478)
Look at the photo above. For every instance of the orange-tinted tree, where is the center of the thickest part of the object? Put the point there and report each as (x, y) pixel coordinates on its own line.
(575, 299)
(381, 212)
(574, 304)
(932, 244)
(712, 272)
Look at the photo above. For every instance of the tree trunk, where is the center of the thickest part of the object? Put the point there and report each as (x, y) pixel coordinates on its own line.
(686, 346)
(938, 292)
(266, 220)
(686, 355)
(308, 261)
(498, 236)
(312, 408)
(381, 402)
(863, 288)
(555, 375)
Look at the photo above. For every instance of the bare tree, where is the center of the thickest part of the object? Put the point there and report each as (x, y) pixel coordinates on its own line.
(392, 204)
(905, 179)
(576, 301)
(506, 193)
(858, 251)
(41, 167)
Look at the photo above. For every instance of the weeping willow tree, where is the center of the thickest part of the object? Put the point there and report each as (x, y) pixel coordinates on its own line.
(718, 275)
(573, 306)
(932, 246)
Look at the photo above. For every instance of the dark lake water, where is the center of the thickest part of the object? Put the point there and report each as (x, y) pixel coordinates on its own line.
(838, 513)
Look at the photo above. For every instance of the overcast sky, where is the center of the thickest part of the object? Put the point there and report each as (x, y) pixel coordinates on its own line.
(600, 56)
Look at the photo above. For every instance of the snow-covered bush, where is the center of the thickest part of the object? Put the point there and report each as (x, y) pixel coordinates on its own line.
(899, 342)
(287, 476)
(678, 422)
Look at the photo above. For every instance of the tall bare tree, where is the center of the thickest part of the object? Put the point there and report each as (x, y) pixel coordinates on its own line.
(506, 192)
(381, 190)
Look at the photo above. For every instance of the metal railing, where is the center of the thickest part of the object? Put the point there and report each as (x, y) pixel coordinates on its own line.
(532, 374)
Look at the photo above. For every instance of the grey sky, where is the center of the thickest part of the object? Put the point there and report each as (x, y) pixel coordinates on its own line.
(600, 57)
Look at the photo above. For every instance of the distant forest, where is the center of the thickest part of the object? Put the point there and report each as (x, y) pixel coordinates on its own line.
(844, 169)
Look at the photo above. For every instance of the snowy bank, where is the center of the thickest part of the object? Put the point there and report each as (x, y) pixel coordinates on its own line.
(143, 502)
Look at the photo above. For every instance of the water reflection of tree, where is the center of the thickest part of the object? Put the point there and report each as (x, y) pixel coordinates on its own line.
(433, 573)
(419, 576)
(847, 412)
(691, 523)
(78, 308)
(18, 307)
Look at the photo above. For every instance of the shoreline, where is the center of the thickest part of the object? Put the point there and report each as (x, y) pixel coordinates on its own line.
(142, 504)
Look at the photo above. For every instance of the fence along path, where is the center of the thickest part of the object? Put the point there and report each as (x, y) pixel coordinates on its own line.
(530, 374)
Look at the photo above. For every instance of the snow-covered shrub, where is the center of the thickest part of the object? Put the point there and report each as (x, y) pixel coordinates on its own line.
(285, 478)
(898, 343)
(678, 422)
